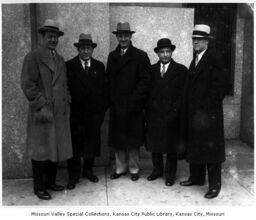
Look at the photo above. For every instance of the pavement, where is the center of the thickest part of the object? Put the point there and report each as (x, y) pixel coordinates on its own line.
(237, 186)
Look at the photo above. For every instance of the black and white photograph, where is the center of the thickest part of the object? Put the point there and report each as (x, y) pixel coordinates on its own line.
(127, 109)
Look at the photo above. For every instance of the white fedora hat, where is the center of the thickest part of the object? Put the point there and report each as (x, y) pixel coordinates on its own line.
(202, 31)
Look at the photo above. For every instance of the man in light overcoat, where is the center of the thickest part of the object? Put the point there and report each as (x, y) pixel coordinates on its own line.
(44, 83)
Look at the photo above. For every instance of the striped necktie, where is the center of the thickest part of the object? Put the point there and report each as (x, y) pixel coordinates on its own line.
(196, 60)
(163, 70)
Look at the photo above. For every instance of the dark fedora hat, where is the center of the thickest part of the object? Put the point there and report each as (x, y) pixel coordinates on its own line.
(123, 28)
(164, 42)
(85, 39)
(51, 26)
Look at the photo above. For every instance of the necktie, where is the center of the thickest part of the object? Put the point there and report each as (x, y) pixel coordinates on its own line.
(52, 52)
(163, 70)
(122, 52)
(86, 65)
(196, 60)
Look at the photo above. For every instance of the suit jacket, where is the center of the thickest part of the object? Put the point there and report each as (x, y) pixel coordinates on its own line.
(89, 93)
(129, 79)
(44, 83)
(203, 128)
(163, 108)
(89, 90)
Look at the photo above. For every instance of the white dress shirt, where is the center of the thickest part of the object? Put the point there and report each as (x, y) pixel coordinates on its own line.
(199, 56)
(165, 68)
(83, 62)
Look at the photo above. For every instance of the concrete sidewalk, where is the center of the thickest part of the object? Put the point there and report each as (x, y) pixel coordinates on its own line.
(237, 187)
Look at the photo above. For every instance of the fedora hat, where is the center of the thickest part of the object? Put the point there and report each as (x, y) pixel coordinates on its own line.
(123, 28)
(164, 42)
(202, 31)
(85, 39)
(52, 26)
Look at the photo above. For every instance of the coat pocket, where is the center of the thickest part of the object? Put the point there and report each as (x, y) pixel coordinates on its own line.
(44, 115)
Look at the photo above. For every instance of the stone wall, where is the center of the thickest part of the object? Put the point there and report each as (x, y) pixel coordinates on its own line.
(96, 18)
(16, 43)
(247, 115)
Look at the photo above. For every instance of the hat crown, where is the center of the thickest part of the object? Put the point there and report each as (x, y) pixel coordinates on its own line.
(85, 37)
(123, 26)
(51, 23)
(164, 41)
(203, 28)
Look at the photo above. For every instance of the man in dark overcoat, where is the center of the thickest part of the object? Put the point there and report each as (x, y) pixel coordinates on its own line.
(128, 72)
(44, 83)
(163, 111)
(87, 83)
(205, 89)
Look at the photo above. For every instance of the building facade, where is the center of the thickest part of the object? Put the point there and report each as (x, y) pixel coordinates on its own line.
(232, 27)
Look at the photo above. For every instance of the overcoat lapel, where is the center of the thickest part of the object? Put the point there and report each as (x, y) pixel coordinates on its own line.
(80, 73)
(46, 58)
(170, 73)
(196, 71)
(57, 70)
(122, 61)
(92, 69)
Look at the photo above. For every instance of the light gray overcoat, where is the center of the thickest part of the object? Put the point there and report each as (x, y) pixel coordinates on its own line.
(44, 83)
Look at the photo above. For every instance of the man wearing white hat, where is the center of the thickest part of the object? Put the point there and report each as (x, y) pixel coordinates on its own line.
(203, 130)
(44, 83)
(128, 71)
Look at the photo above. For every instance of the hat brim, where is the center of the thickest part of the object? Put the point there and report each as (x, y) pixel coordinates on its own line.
(156, 49)
(201, 36)
(121, 32)
(45, 29)
(88, 44)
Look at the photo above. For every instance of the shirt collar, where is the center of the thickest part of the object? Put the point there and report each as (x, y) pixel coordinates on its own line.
(83, 62)
(52, 52)
(124, 50)
(201, 54)
(166, 65)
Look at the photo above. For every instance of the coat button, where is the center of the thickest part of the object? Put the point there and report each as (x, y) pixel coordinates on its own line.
(64, 99)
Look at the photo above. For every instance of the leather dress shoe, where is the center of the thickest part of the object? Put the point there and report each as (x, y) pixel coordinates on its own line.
(56, 187)
(43, 195)
(212, 193)
(91, 177)
(189, 182)
(117, 175)
(71, 185)
(134, 176)
(154, 176)
(169, 182)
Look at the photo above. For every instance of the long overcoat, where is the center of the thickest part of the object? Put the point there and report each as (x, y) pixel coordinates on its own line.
(203, 132)
(44, 83)
(163, 109)
(129, 79)
(89, 93)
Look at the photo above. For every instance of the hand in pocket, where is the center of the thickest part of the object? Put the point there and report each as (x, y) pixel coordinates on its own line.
(44, 115)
